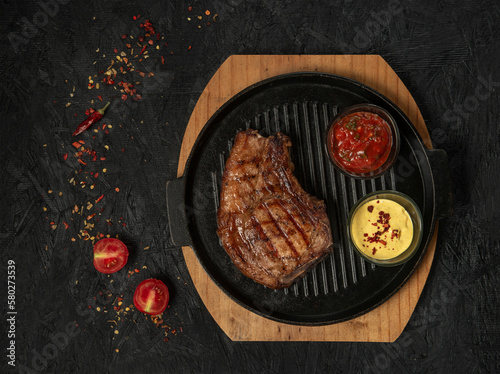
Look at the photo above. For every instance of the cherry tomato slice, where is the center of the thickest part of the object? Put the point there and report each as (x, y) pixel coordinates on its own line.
(151, 296)
(110, 255)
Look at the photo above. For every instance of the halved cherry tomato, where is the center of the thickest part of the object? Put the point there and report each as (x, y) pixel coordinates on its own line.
(110, 255)
(151, 296)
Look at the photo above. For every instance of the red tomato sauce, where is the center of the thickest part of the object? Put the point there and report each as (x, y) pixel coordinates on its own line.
(361, 142)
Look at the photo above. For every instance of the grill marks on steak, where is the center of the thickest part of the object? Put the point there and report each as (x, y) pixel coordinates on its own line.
(270, 227)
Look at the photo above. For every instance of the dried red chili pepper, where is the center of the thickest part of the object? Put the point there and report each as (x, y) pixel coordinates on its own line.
(93, 118)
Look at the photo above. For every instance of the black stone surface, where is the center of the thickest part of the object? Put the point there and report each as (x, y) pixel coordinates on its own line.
(445, 52)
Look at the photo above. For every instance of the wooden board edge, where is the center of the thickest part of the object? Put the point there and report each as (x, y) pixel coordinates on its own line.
(356, 330)
(203, 110)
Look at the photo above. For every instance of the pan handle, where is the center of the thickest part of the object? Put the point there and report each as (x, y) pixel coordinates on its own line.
(176, 212)
(443, 185)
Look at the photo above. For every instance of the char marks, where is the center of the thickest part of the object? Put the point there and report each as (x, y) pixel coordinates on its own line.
(269, 226)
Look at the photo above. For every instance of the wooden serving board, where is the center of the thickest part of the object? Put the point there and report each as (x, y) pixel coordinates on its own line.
(383, 324)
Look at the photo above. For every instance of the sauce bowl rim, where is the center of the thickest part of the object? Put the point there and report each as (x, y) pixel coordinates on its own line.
(395, 140)
(415, 215)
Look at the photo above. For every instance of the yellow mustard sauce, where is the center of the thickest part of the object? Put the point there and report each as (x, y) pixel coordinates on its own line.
(382, 229)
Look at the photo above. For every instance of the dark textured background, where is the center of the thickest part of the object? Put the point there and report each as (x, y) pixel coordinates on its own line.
(446, 52)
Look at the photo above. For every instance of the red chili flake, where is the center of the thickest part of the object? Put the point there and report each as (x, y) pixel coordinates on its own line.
(99, 97)
(115, 50)
(82, 162)
(99, 198)
(141, 38)
(124, 97)
(65, 225)
(65, 157)
(143, 49)
(76, 144)
(207, 12)
(383, 220)
(90, 216)
(148, 26)
(189, 47)
(117, 189)
(124, 36)
(370, 208)
(374, 250)
(134, 18)
(136, 270)
(96, 175)
(190, 8)
(162, 60)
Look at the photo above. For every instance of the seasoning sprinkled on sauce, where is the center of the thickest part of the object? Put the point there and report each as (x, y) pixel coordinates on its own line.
(382, 229)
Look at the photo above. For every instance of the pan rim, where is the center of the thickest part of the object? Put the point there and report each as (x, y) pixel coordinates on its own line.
(327, 76)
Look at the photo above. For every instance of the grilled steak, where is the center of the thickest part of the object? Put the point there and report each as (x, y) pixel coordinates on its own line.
(270, 227)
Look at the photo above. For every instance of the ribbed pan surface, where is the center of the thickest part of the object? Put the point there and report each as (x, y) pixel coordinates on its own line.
(343, 285)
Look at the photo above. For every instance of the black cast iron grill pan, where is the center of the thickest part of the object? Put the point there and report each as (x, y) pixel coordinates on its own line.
(302, 105)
